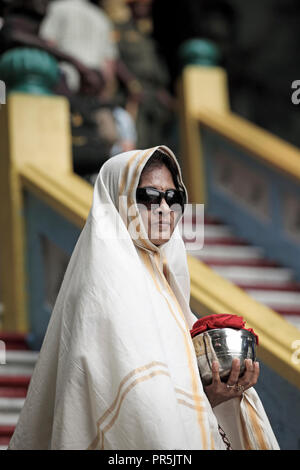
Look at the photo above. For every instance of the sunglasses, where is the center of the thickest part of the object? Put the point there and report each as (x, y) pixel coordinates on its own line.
(173, 197)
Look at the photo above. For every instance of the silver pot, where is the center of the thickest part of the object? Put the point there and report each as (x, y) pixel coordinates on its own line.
(223, 345)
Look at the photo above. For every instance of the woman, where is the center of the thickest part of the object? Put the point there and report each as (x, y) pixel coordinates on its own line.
(117, 369)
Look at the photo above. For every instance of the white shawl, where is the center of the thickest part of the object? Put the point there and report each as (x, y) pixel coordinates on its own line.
(117, 369)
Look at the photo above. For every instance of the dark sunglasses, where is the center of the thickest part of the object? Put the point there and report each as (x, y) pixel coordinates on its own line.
(173, 197)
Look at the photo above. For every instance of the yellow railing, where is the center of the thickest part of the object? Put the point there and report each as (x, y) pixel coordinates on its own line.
(68, 194)
(35, 150)
(199, 88)
(204, 101)
(36, 155)
(278, 340)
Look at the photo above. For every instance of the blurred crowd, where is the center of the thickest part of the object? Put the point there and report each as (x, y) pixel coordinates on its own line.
(118, 64)
(110, 70)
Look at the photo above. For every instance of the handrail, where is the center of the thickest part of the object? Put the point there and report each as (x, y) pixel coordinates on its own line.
(71, 196)
(203, 98)
(211, 294)
(67, 193)
(203, 101)
(34, 130)
(258, 142)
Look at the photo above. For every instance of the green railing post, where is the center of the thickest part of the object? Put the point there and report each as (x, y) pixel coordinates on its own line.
(29, 70)
(199, 52)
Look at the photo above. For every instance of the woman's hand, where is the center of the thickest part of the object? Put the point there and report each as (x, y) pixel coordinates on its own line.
(218, 392)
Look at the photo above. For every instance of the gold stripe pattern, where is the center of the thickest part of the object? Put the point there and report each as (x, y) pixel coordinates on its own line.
(126, 391)
(119, 399)
(246, 437)
(114, 410)
(126, 172)
(189, 405)
(196, 395)
(144, 241)
(252, 433)
(187, 341)
(257, 430)
(122, 188)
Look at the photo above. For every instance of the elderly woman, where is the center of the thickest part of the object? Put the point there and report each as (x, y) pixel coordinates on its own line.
(117, 369)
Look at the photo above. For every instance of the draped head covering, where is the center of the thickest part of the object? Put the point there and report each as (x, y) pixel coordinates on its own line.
(117, 368)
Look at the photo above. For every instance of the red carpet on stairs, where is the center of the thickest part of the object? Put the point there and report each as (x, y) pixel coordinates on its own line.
(247, 267)
(15, 377)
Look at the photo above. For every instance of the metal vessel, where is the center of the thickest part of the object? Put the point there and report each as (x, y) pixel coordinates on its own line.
(223, 345)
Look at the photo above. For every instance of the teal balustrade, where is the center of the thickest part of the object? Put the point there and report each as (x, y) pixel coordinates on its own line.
(259, 201)
(199, 52)
(50, 240)
(29, 70)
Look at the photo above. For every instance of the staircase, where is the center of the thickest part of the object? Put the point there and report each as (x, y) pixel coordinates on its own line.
(228, 255)
(247, 267)
(15, 376)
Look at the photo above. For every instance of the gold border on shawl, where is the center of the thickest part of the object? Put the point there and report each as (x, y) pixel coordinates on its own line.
(144, 241)
(114, 404)
(134, 176)
(189, 405)
(196, 396)
(101, 433)
(148, 264)
(126, 171)
(130, 387)
(133, 180)
(257, 431)
(183, 392)
(246, 437)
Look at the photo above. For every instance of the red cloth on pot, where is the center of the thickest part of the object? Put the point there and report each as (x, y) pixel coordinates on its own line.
(212, 322)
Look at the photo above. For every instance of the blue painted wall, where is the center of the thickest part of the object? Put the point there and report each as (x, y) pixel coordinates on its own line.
(281, 401)
(42, 223)
(268, 230)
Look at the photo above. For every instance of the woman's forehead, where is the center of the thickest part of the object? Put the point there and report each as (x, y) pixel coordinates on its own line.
(157, 176)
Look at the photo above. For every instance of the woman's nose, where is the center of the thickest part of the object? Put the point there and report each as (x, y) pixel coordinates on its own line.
(164, 207)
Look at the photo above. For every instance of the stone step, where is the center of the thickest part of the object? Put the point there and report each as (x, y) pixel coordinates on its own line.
(22, 357)
(276, 299)
(230, 253)
(293, 319)
(14, 341)
(282, 287)
(18, 363)
(267, 275)
(11, 404)
(9, 418)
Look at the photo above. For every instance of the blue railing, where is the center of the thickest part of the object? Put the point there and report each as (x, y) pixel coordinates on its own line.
(259, 201)
(50, 240)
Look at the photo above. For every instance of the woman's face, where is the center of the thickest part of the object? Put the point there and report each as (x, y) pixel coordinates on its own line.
(160, 221)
